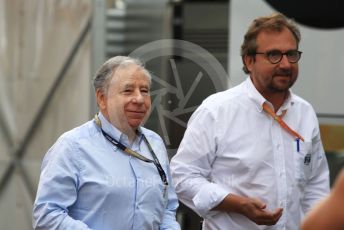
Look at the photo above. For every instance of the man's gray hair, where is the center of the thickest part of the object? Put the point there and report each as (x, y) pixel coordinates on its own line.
(106, 71)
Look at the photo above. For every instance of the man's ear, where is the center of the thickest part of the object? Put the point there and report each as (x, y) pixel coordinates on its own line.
(249, 61)
(101, 100)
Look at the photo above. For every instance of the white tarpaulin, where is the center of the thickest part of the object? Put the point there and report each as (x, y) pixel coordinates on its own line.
(36, 38)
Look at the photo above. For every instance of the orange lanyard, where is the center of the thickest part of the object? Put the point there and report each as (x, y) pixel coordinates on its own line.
(268, 110)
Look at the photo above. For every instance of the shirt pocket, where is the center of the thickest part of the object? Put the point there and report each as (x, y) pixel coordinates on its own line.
(303, 161)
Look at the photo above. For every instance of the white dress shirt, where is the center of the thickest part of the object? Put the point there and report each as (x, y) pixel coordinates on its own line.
(231, 146)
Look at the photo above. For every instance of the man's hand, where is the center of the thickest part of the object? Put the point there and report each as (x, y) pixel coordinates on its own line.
(252, 208)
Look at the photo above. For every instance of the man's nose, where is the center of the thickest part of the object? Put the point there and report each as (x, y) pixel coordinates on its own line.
(284, 63)
(138, 97)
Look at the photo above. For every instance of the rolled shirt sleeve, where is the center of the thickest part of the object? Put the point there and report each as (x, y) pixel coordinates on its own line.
(191, 166)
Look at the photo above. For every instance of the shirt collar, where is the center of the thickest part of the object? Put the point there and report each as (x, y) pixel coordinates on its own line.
(254, 95)
(259, 100)
(116, 133)
(288, 102)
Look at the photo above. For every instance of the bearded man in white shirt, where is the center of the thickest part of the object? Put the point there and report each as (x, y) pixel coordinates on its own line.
(252, 157)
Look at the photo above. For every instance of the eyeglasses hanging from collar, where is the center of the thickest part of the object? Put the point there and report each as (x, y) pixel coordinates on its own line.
(134, 153)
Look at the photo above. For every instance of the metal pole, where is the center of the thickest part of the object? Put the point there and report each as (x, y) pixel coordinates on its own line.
(98, 44)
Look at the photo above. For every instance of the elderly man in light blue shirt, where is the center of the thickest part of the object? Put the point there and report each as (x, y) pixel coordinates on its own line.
(109, 173)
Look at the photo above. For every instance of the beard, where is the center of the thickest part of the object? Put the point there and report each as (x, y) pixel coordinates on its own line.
(282, 80)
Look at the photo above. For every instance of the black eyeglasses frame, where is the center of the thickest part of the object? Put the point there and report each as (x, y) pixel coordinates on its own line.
(288, 54)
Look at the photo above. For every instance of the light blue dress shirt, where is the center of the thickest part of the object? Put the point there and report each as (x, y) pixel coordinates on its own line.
(87, 183)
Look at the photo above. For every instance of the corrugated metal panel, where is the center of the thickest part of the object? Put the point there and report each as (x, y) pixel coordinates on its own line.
(134, 25)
